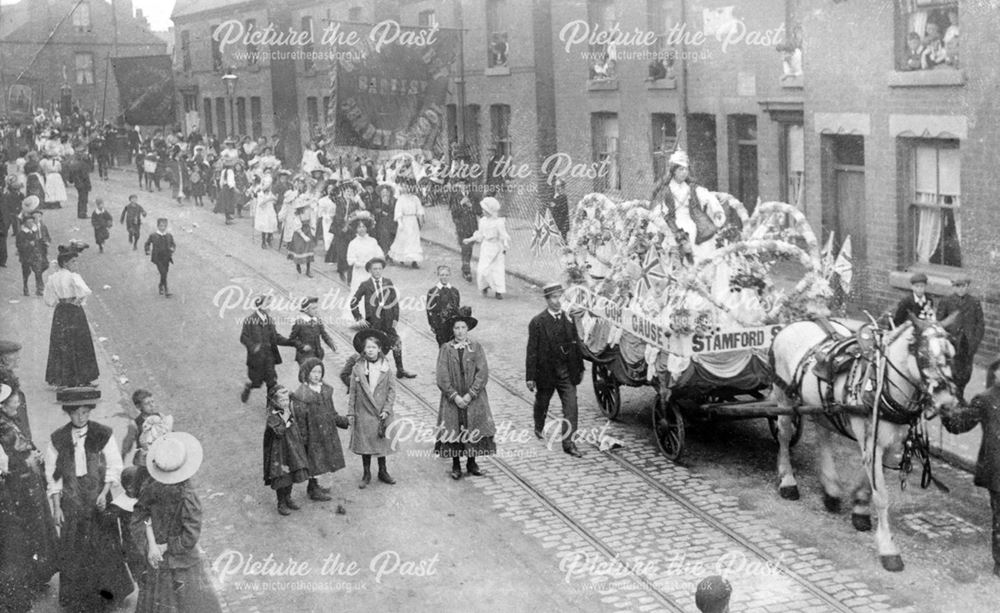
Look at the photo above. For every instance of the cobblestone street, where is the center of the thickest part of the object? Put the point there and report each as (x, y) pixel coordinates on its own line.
(623, 529)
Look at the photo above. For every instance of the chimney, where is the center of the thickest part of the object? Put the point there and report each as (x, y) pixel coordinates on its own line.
(124, 9)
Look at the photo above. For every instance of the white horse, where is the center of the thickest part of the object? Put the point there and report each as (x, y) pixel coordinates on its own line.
(914, 377)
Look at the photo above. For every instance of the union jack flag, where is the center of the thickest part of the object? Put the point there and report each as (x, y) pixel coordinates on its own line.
(546, 234)
(650, 272)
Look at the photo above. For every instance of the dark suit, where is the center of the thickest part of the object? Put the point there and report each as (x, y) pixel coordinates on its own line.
(381, 313)
(465, 213)
(261, 339)
(10, 206)
(560, 213)
(984, 410)
(908, 304)
(442, 305)
(310, 331)
(555, 364)
(161, 248)
(966, 334)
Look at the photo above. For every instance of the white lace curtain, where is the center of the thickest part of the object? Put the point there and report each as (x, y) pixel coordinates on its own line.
(936, 182)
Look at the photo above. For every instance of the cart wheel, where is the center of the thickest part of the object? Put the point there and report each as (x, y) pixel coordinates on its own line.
(609, 398)
(772, 425)
(668, 428)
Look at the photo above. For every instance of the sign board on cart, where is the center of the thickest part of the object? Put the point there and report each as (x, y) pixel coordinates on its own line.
(652, 333)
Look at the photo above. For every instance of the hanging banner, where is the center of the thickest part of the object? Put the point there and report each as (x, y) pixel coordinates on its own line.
(391, 84)
(19, 102)
(146, 92)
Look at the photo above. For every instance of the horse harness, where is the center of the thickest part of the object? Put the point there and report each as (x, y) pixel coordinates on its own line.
(866, 385)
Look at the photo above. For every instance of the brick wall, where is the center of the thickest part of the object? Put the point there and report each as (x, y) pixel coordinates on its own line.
(829, 88)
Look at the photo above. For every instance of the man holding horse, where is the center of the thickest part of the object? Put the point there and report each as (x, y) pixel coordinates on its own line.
(966, 328)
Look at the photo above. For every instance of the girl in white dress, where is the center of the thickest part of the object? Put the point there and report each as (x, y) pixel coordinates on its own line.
(326, 209)
(265, 220)
(494, 243)
(409, 216)
(362, 248)
(55, 189)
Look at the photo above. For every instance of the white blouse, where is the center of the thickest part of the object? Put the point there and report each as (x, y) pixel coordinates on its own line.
(112, 461)
(65, 284)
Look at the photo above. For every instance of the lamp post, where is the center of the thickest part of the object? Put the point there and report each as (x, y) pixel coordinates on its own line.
(229, 81)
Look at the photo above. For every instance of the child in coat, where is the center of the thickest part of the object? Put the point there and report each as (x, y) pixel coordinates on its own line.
(370, 405)
(285, 460)
(160, 246)
(132, 216)
(102, 221)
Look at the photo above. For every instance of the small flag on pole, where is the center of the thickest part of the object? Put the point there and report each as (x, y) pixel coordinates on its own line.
(844, 266)
(650, 272)
(826, 257)
(546, 234)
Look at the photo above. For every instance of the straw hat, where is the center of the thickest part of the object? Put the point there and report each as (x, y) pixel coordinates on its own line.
(680, 157)
(375, 260)
(174, 457)
(29, 204)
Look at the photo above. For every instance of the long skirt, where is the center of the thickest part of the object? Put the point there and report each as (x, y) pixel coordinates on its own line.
(406, 246)
(28, 541)
(227, 201)
(92, 568)
(178, 590)
(492, 269)
(55, 189)
(72, 360)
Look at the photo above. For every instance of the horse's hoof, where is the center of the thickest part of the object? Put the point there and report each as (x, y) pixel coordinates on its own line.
(861, 523)
(893, 563)
(789, 492)
(832, 503)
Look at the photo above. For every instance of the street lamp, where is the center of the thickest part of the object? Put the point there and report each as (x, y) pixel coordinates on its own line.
(229, 81)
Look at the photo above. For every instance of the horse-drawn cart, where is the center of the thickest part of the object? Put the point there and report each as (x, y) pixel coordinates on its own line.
(731, 383)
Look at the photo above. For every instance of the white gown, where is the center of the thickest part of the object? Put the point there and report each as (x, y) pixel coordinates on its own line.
(264, 217)
(406, 247)
(55, 189)
(493, 241)
(326, 209)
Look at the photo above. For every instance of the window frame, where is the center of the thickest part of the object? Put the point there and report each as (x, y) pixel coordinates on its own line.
(911, 206)
(602, 183)
(218, 63)
(308, 64)
(660, 150)
(84, 70)
(902, 12)
(221, 123)
(500, 118)
(496, 25)
(186, 50)
(425, 23)
(252, 59)
(209, 124)
(256, 117)
(82, 20)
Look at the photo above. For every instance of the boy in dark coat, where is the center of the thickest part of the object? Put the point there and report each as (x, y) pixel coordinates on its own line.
(984, 410)
(132, 216)
(554, 364)
(966, 329)
(160, 246)
(917, 302)
(443, 301)
(310, 333)
(381, 302)
(261, 339)
(10, 206)
(102, 221)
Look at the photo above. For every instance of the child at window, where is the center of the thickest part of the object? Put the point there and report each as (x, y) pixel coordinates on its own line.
(933, 53)
(914, 51)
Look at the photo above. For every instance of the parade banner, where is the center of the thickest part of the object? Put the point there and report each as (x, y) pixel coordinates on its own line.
(652, 333)
(391, 85)
(146, 89)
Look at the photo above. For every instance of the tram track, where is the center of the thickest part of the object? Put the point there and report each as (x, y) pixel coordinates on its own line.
(665, 600)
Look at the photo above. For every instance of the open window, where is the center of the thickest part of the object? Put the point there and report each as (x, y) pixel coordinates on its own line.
(927, 35)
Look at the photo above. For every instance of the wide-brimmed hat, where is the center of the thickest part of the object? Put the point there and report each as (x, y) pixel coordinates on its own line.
(918, 278)
(553, 288)
(360, 217)
(7, 347)
(367, 333)
(174, 457)
(78, 396)
(490, 206)
(351, 183)
(301, 203)
(29, 204)
(469, 320)
(5, 392)
(379, 260)
(67, 252)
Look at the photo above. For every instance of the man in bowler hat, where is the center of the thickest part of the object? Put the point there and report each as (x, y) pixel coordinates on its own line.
(554, 364)
(261, 339)
(984, 410)
(962, 316)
